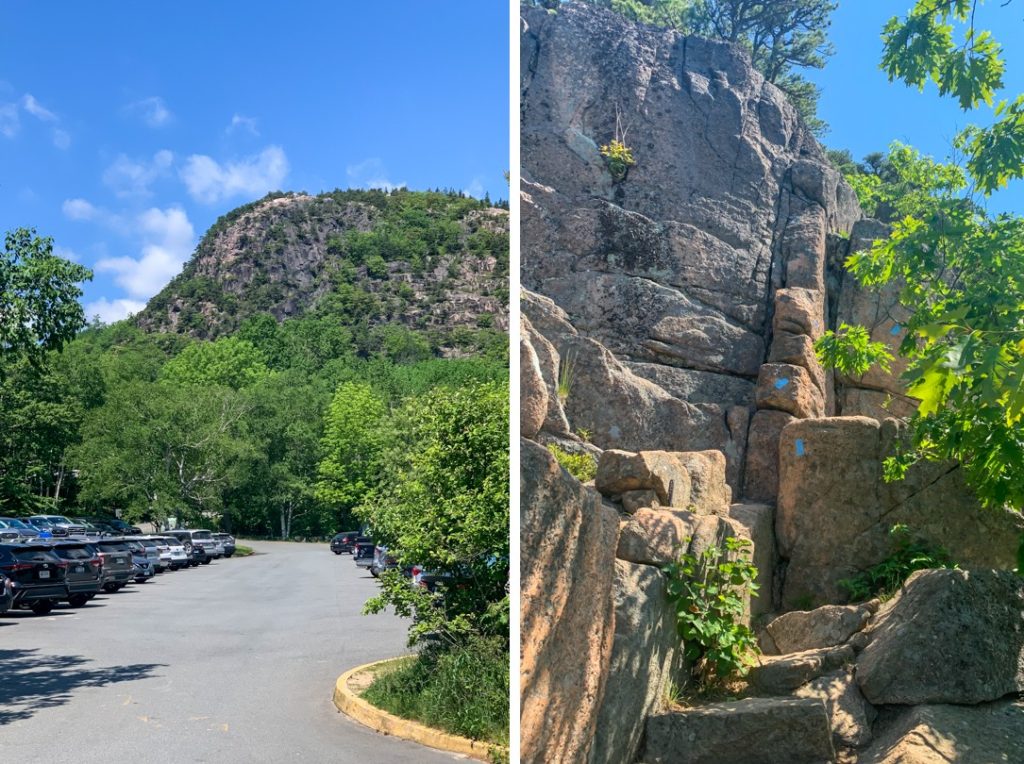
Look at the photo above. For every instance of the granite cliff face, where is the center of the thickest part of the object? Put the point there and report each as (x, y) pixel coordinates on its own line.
(428, 260)
(672, 312)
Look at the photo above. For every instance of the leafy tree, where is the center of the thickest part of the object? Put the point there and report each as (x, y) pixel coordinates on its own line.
(444, 505)
(355, 434)
(39, 293)
(159, 450)
(923, 47)
(229, 362)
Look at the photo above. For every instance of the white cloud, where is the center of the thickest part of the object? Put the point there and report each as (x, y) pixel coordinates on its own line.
(371, 173)
(61, 138)
(209, 181)
(475, 189)
(36, 109)
(65, 253)
(153, 111)
(109, 311)
(238, 122)
(9, 120)
(129, 178)
(168, 240)
(79, 209)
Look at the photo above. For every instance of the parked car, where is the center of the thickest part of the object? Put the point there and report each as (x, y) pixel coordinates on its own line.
(163, 552)
(118, 568)
(143, 565)
(382, 561)
(12, 529)
(6, 594)
(203, 544)
(46, 529)
(196, 554)
(60, 525)
(179, 557)
(37, 575)
(228, 541)
(363, 553)
(84, 570)
(120, 527)
(344, 542)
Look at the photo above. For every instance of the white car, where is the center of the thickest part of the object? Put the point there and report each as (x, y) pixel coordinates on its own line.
(179, 556)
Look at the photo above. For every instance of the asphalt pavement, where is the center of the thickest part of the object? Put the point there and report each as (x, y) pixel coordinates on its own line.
(229, 662)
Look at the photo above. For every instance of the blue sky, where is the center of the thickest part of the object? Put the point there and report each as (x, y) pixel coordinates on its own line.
(125, 131)
(866, 112)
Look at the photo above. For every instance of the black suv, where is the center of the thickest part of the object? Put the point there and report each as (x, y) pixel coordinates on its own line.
(344, 542)
(84, 571)
(119, 526)
(38, 576)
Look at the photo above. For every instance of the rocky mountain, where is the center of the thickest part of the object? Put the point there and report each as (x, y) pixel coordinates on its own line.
(669, 317)
(428, 260)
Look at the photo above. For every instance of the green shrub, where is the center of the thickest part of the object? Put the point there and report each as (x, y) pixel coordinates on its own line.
(582, 466)
(463, 689)
(619, 158)
(708, 591)
(885, 578)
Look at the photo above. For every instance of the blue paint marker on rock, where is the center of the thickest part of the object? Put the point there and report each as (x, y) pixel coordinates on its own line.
(895, 330)
(781, 383)
(799, 446)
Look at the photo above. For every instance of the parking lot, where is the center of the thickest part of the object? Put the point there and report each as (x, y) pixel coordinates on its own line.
(229, 662)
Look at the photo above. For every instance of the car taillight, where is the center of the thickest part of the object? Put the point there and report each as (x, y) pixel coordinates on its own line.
(15, 567)
(97, 562)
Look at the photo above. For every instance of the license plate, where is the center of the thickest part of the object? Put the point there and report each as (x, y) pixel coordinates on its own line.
(79, 569)
(119, 559)
(44, 574)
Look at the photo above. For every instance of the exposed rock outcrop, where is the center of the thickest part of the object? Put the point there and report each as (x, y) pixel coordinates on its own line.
(950, 636)
(835, 511)
(568, 622)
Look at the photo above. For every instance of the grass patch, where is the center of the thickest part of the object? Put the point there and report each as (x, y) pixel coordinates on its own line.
(462, 690)
(243, 551)
(582, 466)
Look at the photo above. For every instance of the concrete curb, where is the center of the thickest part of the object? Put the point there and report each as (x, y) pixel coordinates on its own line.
(349, 703)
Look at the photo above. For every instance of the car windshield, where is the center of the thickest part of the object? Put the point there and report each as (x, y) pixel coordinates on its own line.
(113, 546)
(73, 552)
(148, 543)
(12, 523)
(59, 519)
(202, 535)
(41, 522)
(34, 554)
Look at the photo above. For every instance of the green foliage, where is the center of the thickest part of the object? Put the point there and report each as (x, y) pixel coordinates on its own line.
(464, 690)
(353, 444)
(922, 47)
(908, 554)
(850, 350)
(443, 503)
(39, 293)
(708, 591)
(229, 361)
(960, 275)
(619, 158)
(582, 466)
(566, 376)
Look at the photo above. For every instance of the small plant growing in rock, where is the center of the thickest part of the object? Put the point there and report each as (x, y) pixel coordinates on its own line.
(709, 591)
(850, 350)
(619, 158)
(909, 554)
(617, 155)
(582, 466)
(566, 375)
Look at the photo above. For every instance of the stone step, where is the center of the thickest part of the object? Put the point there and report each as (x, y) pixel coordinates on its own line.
(750, 731)
(781, 674)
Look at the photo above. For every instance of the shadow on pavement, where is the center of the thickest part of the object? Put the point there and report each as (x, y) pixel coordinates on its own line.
(32, 682)
(19, 614)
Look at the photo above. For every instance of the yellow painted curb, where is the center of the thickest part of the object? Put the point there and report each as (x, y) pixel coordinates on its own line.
(347, 700)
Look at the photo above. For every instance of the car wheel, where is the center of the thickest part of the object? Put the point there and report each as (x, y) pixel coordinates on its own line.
(207, 561)
(42, 607)
(338, 553)
(110, 588)
(78, 600)
(228, 556)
